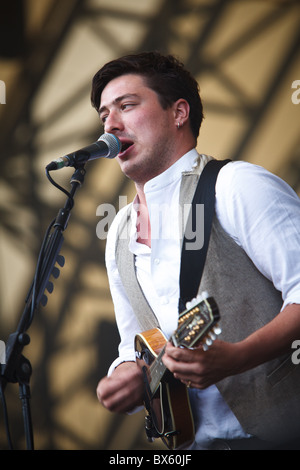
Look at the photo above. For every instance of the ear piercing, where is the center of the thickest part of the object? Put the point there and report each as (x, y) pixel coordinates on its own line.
(178, 125)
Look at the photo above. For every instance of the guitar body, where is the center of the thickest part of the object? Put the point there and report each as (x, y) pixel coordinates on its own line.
(169, 412)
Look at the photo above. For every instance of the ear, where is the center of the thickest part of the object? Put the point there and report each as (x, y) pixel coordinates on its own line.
(181, 111)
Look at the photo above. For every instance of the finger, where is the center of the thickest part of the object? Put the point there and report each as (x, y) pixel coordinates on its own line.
(193, 384)
(181, 370)
(183, 354)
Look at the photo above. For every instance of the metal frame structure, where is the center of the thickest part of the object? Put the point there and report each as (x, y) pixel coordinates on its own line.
(202, 33)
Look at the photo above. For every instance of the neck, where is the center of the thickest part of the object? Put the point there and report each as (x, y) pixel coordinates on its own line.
(165, 163)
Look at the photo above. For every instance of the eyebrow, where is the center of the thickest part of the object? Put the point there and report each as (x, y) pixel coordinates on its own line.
(117, 100)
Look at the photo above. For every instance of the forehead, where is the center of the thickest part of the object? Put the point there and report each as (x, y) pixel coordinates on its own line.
(125, 84)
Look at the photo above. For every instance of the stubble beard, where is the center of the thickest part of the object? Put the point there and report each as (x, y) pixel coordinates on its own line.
(155, 161)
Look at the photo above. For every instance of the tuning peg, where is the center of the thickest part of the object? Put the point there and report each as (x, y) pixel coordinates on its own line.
(207, 343)
(196, 300)
(212, 336)
(217, 330)
(204, 295)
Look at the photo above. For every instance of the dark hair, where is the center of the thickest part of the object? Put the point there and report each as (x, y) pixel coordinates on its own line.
(165, 75)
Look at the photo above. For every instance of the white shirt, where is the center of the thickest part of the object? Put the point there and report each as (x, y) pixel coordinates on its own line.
(258, 210)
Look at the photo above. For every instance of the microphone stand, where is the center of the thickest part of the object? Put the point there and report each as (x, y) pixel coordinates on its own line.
(17, 369)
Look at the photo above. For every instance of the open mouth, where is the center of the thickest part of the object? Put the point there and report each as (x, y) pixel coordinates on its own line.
(125, 146)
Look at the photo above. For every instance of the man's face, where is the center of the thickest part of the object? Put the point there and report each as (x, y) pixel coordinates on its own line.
(132, 111)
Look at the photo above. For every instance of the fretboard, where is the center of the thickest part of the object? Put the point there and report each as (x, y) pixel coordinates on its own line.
(156, 372)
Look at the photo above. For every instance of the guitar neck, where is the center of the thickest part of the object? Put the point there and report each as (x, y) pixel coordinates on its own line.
(156, 372)
(196, 323)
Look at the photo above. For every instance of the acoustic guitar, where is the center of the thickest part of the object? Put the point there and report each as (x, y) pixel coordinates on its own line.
(166, 400)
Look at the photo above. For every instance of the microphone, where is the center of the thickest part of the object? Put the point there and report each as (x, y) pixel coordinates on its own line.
(107, 146)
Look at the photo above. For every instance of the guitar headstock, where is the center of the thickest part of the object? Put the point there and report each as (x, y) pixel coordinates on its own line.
(198, 322)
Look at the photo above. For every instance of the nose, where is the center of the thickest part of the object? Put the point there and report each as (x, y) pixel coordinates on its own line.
(113, 122)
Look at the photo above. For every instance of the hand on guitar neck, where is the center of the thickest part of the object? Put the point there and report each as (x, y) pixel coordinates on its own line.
(197, 368)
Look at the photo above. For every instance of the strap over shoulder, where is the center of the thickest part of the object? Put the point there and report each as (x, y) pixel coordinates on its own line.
(192, 258)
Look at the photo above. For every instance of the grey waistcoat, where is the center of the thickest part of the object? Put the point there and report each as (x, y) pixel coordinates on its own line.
(266, 399)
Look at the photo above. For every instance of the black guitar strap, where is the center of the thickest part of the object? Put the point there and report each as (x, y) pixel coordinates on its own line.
(192, 261)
